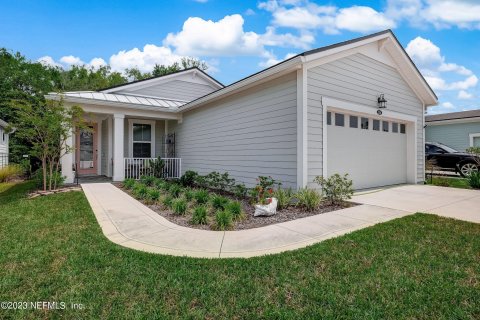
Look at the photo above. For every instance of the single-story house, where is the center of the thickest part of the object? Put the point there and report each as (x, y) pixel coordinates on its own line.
(354, 107)
(4, 137)
(459, 130)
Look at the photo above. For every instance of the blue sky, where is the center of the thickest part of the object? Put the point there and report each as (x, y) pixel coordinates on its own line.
(237, 38)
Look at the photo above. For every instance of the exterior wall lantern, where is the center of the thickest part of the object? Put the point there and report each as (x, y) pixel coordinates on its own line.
(382, 102)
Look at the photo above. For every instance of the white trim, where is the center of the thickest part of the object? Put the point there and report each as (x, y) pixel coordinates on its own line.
(330, 104)
(472, 136)
(452, 121)
(302, 128)
(130, 135)
(110, 146)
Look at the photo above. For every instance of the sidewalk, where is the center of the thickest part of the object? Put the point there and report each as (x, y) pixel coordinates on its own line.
(131, 224)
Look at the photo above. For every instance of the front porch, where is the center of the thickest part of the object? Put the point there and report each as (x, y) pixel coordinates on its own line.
(120, 146)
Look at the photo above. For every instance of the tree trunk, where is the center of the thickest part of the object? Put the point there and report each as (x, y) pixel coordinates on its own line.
(44, 171)
(51, 175)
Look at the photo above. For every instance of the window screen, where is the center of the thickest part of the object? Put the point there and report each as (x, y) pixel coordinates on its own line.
(142, 140)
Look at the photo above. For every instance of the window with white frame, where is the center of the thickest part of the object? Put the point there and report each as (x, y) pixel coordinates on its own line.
(142, 135)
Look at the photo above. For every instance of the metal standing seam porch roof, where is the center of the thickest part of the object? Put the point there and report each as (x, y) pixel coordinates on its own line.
(157, 103)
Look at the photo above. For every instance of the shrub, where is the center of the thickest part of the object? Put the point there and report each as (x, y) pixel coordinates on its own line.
(156, 167)
(309, 199)
(128, 183)
(474, 150)
(223, 220)
(336, 188)
(240, 191)
(140, 191)
(175, 190)
(160, 184)
(263, 189)
(57, 178)
(12, 171)
(167, 201)
(152, 195)
(179, 206)
(474, 180)
(188, 179)
(284, 197)
(199, 215)
(188, 194)
(201, 196)
(235, 209)
(148, 180)
(219, 202)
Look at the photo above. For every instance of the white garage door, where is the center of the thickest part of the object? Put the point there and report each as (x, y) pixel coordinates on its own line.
(373, 151)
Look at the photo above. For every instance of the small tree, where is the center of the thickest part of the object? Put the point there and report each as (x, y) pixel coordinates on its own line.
(336, 188)
(47, 126)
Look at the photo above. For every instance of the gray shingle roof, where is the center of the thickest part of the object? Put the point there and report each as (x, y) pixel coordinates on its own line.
(453, 116)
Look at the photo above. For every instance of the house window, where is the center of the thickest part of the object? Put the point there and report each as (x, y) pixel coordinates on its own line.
(394, 127)
(385, 126)
(364, 123)
(376, 125)
(339, 119)
(142, 140)
(353, 122)
(402, 128)
(329, 118)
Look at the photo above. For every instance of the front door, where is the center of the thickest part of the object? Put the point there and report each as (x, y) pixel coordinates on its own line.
(86, 150)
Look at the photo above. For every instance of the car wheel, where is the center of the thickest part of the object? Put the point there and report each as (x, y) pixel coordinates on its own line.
(467, 168)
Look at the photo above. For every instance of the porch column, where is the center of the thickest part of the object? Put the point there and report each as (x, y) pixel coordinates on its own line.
(67, 160)
(118, 141)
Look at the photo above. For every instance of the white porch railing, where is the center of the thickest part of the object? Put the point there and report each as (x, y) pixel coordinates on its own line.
(137, 167)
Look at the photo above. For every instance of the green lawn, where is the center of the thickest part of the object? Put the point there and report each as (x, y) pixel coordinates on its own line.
(452, 182)
(417, 267)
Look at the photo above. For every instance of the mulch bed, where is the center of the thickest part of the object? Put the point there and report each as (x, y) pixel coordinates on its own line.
(250, 221)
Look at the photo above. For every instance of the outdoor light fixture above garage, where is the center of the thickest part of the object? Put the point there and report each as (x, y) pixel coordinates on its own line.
(382, 103)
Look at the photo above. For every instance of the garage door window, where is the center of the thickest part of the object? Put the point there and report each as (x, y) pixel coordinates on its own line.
(394, 127)
(376, 125)
(353, 122)
(385, 126)
(402, 128)
(339, 119)
(364, 123)
(329, 118)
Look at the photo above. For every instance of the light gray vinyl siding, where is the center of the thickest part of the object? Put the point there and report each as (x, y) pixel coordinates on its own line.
(175, 89)
(104, 147)
(455, 135)
(159, 133)
(252, 134)
(358, 79)
(3, 144)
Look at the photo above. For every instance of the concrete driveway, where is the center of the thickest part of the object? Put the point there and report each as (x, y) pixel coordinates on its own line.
(460, 204)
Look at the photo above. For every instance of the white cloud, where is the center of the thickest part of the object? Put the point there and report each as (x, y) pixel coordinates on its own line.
(208, 38)
(464, 95)
(442, 108)
(97, 62)
(71, 61)
(201, 1)
(272, 60)
(446, 13)
(433, 65)
(362, 19)
(48, 61)
(144, 59)
(249, 12)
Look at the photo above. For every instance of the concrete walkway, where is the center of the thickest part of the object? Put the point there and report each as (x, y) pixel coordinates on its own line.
(129, 223)
(460, 204)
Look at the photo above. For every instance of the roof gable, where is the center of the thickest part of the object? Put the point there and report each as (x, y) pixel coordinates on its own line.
(193, 80)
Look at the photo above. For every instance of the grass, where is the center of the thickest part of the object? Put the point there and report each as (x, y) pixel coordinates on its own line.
(417, 267)
(452, 182)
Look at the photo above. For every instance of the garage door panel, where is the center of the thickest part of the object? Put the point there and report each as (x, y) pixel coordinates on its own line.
(371, 158)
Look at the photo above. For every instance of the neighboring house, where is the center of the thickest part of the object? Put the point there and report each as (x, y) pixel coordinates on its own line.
(458, 130)
(4, 137)
(316, 113)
